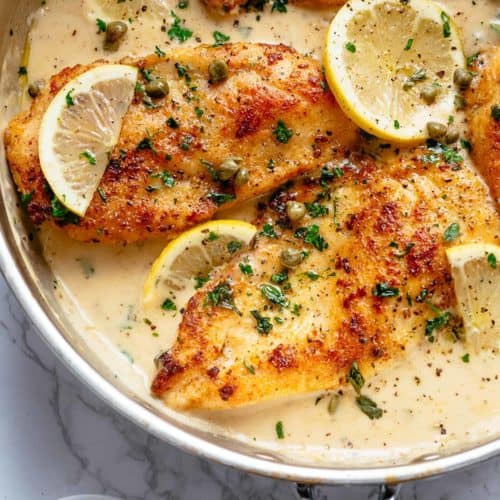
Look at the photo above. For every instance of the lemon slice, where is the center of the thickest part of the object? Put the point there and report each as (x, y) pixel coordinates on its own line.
(79, 129)
(380, 54)
(476, 274)
(112, 10)
(186, 262)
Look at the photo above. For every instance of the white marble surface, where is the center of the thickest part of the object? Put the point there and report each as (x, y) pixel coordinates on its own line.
(58, 439)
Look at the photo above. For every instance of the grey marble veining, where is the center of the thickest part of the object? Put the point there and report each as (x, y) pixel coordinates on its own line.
(58, 439)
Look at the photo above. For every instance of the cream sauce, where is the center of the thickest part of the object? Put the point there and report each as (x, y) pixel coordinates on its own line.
(433, 400)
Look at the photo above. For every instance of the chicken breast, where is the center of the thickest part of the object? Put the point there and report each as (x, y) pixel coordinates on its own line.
(273, 113)
(374, 277)
(233, 6)
(483, 113)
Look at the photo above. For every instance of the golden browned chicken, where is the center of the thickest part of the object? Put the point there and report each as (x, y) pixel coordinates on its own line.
(483, 110)
(233, 6)
(370, 275)
(273, 112)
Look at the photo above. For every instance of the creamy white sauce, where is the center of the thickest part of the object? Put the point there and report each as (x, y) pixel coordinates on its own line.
(433, 401)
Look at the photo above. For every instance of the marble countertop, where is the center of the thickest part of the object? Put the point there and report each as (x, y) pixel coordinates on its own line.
(58, 439)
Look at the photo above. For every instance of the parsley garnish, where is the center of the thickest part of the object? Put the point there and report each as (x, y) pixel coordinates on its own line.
(279, 5)
(495, 112)
(176, 31)
(355, 378)
(268, 230)
(166, 177)
(101, 25)
(311, 235)
(452, 232)
(437, 323)
(169, 305)
(198, 112)
(172, 123)
(446, 24)
(89, 156)
(369, 407)
(282, 133)
(264, 325)
(222, 296)
(250, 368)
(280, 277)
(396, 124)
(383, 290)
(159, 52)
(200, 281)
(246, 269)
(234, 246)
(221, 198)
(102, 195)
(350, 47)
(26, 198)
(470, 59)
(279, 430)
(417, 76)
(59, 211)
(220, 38)
(492, 260)
(316, 209)
(409, 44)
(313, 276)
(22, 71)
(274, 294)
(69, 98)
(466, 358)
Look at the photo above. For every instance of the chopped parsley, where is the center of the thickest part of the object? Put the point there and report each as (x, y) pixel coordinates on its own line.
(466, 358)
(159, 52)
(404, 252)
(279, 430)
(200, 281)
(246, 269)
(355, 378)
(169, 305)
(250, 368)
(466, 144)
(60, 212)
(268, 230)
(274, 294)
(369, 407)
(280, 277)
(69, 98)
(234, 246)
(409, 44)
(186, 142)
(172, 123)
(178, 32)
(264, 325)
(446, 24)
(280, 6)
(89, 156)
(27, 197)
(101, 25)
(220, 38)
(383, 290)
(282, 133)
(492, 260)
(452, 232)
(296, 308)
(311, 236)
(472, 58)
(397, 124)
(22, 71)
(316, 209)
(198, 112)
(102, 195)
(495, 112)
(437, 323)
(166, 177)
(222, 296)
(418, 76)
(221, 198)
(313, 276)
(350, 47)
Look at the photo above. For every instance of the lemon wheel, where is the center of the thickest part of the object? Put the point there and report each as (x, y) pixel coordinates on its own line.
(381, 54)
(186, 262)
(79, 129)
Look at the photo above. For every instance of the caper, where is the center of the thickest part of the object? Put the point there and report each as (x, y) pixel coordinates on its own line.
(242, 177)
(217, 71)
(429, 93)
(115, 31)
(295, 210)
(436, 130)
(462, 78)
(290, 257)
(228, 168)
(157, 88)
(452, 135)
(34, 89)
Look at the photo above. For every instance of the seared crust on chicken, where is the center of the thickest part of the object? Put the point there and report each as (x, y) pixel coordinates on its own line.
(484, 124)
(233, 6)
(374, 261)
(274, 112)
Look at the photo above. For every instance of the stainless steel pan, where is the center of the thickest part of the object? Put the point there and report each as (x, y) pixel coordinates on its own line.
(31, 281)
